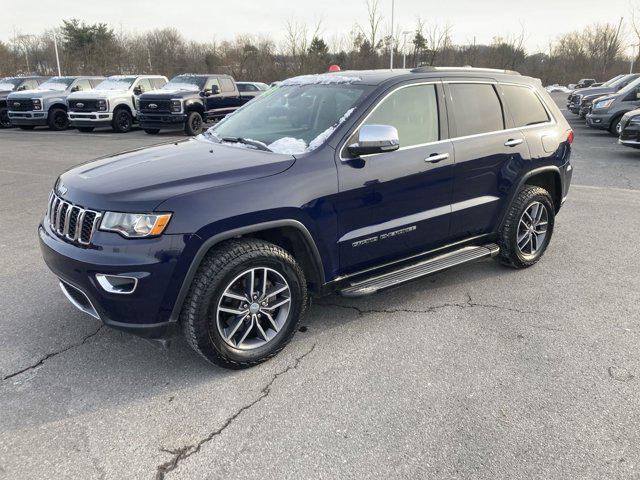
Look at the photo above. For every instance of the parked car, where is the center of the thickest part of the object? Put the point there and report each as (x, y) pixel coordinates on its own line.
(14, 84)
(585, 82)
(111, 103)
(577, 98)
(350, 182)
(46, 104)
(607, 111)
(251, 90)
(597, 84)
(188, 101)
(630, 129)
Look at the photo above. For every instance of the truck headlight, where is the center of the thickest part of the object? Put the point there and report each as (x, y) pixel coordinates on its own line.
(603, 104)
(135, 225)
(102, 105)
(37, 104)
(176, 106)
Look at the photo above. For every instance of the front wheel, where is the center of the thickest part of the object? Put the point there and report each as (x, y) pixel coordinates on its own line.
(57, 119)
(4, 118)
(122, 121)
(244, 304)
(193, 125)
(527, 229)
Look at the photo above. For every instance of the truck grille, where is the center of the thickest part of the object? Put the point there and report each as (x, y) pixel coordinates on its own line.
(71, 222)
(161, 106)
(22, 105)
(79, 105)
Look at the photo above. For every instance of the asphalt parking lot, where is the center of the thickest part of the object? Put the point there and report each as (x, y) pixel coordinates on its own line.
(479, 372)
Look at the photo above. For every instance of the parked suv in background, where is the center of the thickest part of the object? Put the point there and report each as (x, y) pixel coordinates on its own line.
(14, 84)
(585, 82)
(607, 111)
(187, 102)
(580, 99)
(112, 103)
(251, 90)
(350, 182)
(46, 104)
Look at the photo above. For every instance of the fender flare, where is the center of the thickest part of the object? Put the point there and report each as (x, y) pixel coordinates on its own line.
(209, 243)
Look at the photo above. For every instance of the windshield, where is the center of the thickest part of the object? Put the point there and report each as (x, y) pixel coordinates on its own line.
(616, 82)
(629, 87)
(9, 83)
(191, 83)
(116, 82)
(290, 119)
(59, 84)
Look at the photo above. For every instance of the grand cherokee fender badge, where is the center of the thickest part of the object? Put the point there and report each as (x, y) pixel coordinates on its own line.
(383, 236)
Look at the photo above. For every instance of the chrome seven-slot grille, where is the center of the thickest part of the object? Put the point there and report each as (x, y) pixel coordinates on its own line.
(70, 221)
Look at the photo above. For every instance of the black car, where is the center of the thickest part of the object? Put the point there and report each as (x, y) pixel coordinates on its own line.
(15, 84)
(351, 182)
(187, 102)
(630, 129)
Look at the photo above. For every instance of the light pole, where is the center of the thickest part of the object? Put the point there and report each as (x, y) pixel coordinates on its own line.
(393, 6)
(633, 57)
(55, 46)
(404, 47)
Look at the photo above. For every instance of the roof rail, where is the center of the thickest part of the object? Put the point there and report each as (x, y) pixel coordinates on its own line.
(428, 69)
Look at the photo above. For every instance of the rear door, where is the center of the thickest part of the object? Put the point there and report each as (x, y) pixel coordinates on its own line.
(489, 154)
(392, 205)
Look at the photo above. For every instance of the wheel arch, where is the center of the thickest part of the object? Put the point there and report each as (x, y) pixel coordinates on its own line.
(57, 105)
(121, 106)
(289, 234)
(195, 106)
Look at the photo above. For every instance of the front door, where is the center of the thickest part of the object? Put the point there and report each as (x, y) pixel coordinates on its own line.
(392, 205)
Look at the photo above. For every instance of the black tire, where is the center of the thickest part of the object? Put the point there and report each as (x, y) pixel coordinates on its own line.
(4, 118)
(57, 119)
(510, 253)
(613, 127)
(86, 129)
(217, 271)
(26, 127)
(194, 124)
(152, 131)
(122, 121)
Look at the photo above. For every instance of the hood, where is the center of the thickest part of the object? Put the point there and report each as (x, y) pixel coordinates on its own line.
(96, 94)
(38, 94)
(598, 91)
(168, 94)
(141, 179)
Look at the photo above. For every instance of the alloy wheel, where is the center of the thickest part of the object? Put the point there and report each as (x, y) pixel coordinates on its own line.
(60, 120)
(532, 229)
(253, 308)
(196, 123)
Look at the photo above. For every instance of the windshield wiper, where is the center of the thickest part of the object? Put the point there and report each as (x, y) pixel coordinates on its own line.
(247, 141)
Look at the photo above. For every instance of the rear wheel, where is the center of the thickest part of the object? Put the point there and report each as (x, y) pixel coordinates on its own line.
(194, 124)
(527, 229)
(4, 118)
(122, 121)
(244, 304)
(57, 119)
(86, 129)
(152, 131)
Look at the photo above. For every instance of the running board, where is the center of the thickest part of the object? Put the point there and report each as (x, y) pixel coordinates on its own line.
(420, 269)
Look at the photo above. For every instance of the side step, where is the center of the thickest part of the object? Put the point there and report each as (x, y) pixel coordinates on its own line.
(420, 269)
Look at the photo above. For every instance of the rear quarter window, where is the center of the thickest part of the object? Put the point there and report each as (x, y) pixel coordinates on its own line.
(525, 106)
(476, 108)
(226, 85)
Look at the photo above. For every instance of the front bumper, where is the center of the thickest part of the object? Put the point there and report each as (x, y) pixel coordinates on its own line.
(147, 310)
(599, 120)
(90, 119)
(161, 120)
(630, 136)
(28, 118)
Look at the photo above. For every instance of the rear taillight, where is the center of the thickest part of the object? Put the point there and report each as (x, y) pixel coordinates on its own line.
(570, 137)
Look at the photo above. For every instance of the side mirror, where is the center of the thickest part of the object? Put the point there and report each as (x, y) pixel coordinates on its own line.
(137, 90)
(375, 139)
(21, 87)
(206, 92)
(215, 89)
(76, 88)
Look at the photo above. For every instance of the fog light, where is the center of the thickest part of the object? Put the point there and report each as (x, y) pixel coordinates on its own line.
(120, 284)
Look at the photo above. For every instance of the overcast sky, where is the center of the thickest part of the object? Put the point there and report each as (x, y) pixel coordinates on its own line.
(543, 20)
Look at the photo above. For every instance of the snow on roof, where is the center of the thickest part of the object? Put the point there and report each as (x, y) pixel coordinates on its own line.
(319, 79)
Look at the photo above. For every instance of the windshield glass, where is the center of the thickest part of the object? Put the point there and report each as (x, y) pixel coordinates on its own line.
(629, 87)
(116, 82)
(612, 82)
(9, 83)
(291, 118)
(59, 84)
(191, 83)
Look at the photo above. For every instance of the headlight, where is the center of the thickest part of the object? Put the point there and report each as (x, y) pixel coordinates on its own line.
(102, 105)
(603, 104)
(635, 120)
(176, 106)
(135, 225)
(37, 104)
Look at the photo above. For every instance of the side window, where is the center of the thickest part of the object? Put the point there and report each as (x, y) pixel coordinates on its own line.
(29, 85)
(524, 105)
(145, 85)
(226, 85)
(158, 82)
(475, 108)
(210, 83)
(95, 82)
(82, 85)
(413, 111)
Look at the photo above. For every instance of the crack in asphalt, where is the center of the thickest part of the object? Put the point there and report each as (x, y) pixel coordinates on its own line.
(53, 354)
(182, 453)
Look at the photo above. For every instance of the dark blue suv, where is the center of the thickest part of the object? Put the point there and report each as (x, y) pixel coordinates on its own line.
(350, 182)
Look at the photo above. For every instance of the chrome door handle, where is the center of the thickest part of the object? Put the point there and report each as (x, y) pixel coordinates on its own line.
(513, 142)
(436, 157)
